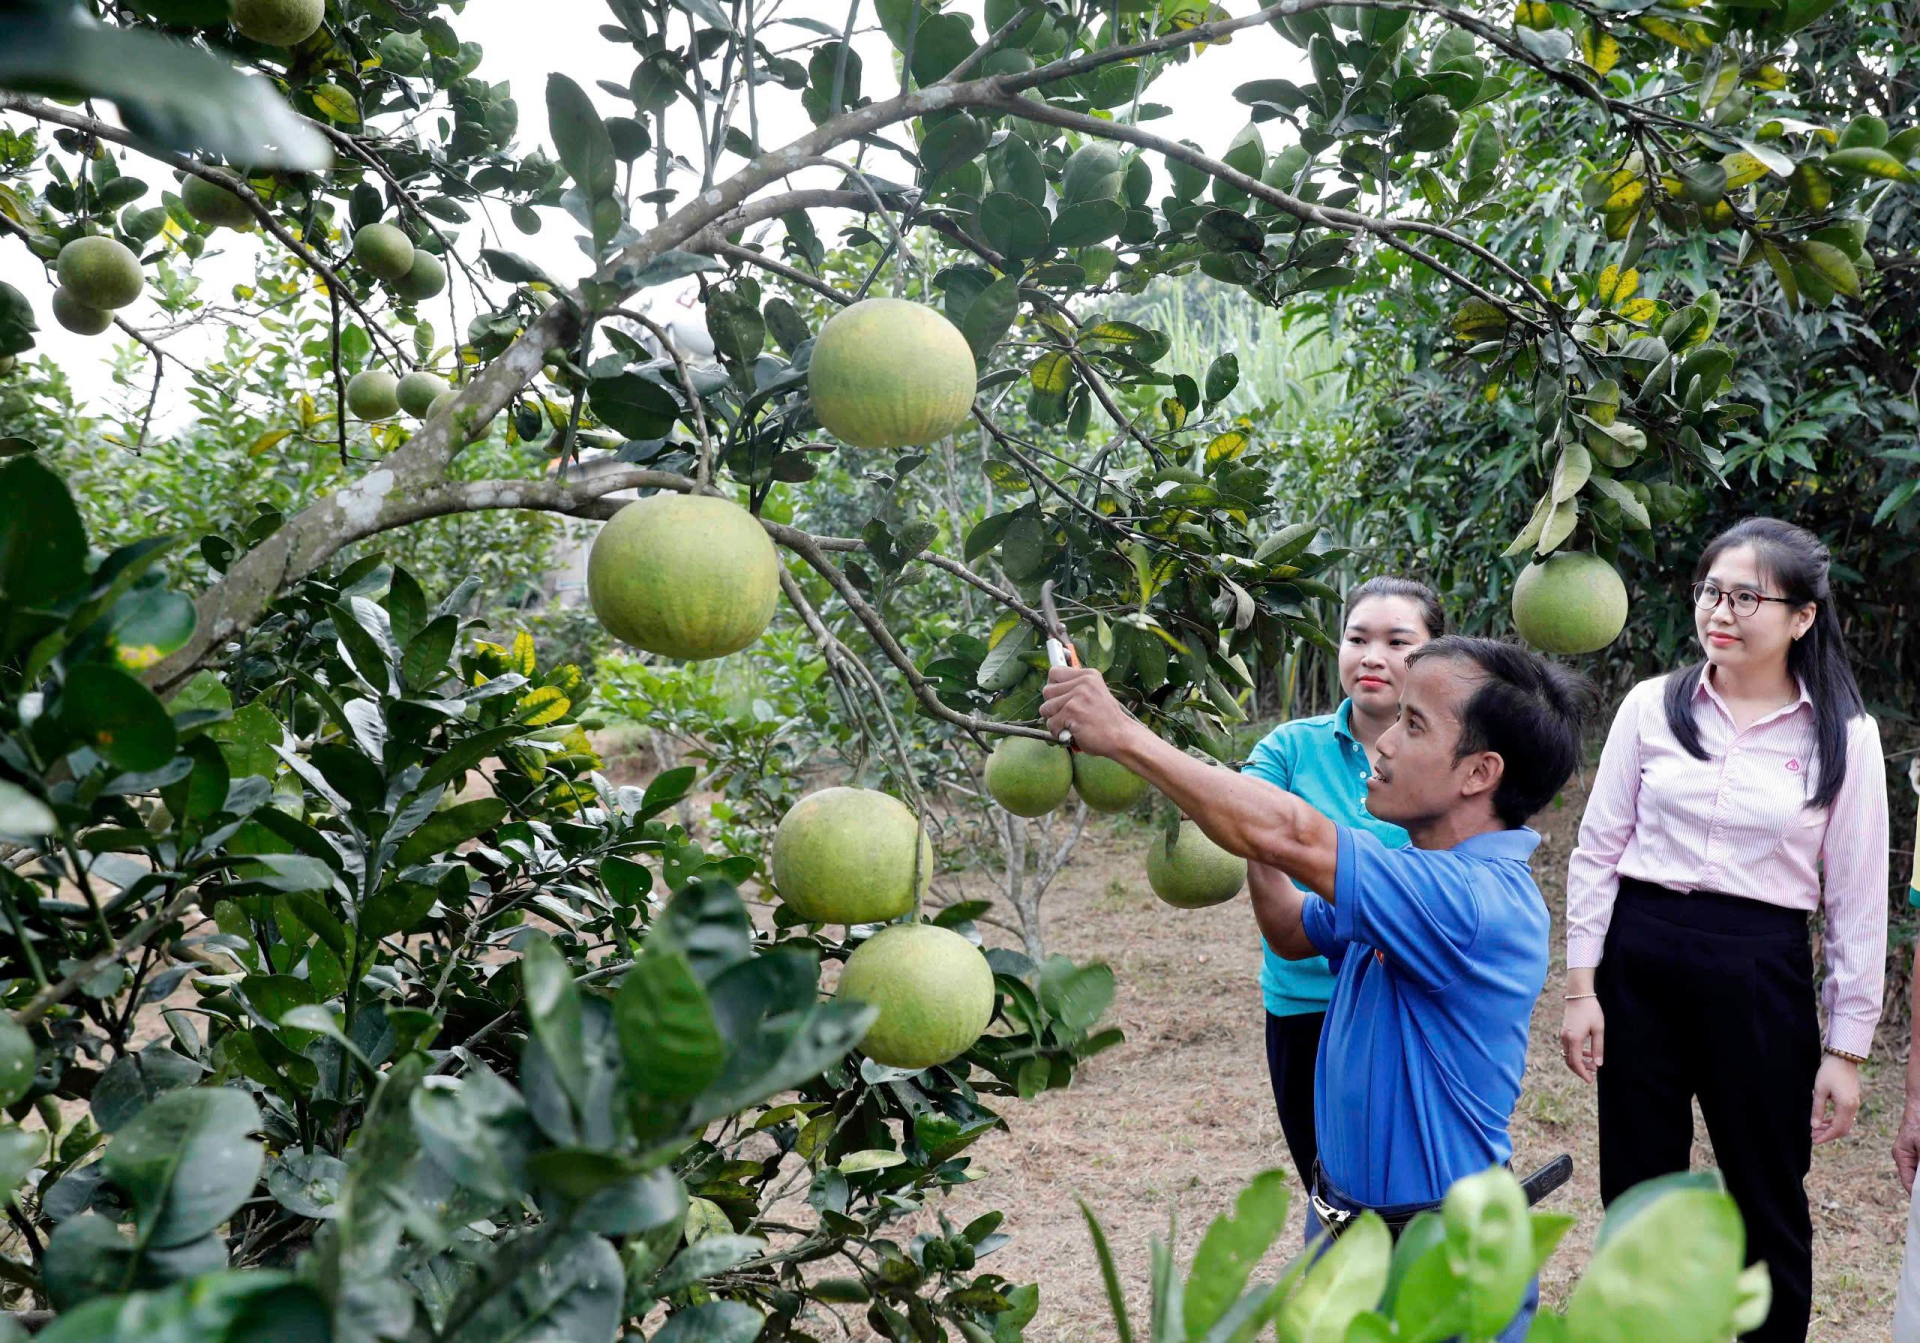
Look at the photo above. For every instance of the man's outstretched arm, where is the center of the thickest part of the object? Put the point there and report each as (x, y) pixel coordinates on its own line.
(1243, 815)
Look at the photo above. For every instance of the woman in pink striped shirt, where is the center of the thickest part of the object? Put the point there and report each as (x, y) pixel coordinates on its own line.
(1733, 799)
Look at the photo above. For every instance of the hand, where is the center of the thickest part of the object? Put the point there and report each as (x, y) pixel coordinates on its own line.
(1583, 1037)
(1077, 700)
(1838, 1087)
(1906, 1145)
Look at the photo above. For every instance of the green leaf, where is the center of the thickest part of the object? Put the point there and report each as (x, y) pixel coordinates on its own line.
(43, 544)
(445, 831)
(712, 1322)
(586, 150)
(1868, 161)
(17, 323)
(134, 1081)
(1347, 1280)
(186, 1163)
(704, 1258)
(1672, 1272)
(668, 1037)
(22, 815)
(1223, 375)
(633, 404)
(957, 140)
(990, 315)
(1230, 1249)
(307, 1184)
(399, 907)
(479, 1134)
(1629, 501)
(1116, 1298)
(117, 716)
(1489, 1241)
(553, 1012)
(575, 1289)
(1087, 223)
(1832, 266)
(1013, 226)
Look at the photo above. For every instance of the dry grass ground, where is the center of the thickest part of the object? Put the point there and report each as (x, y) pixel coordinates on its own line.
(1180, 1116)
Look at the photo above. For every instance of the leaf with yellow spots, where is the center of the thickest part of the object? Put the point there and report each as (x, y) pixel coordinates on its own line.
(1476, 320)
(1227, 446)
(1719, 215)
(1688, 37)
(567, 678)
(1619, 223)
(521, 659)
(1491, 392)
(1600, 48)
(136, 657)
(1173, 411)
(1626, 191)
(1640, 310)
(1743, 169)
(1769, 77)
(1118, 333)
(1533, 14)
(1617, 286)
(543, 705)
(1052, 372)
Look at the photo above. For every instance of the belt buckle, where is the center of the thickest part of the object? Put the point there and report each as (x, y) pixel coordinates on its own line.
(1333, 1219)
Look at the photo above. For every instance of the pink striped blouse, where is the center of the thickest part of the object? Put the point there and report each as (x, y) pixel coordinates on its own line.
(1737, 823)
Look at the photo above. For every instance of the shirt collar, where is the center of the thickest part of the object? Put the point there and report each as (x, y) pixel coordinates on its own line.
(1343, 721)
(1517, 843)
(1706, 688)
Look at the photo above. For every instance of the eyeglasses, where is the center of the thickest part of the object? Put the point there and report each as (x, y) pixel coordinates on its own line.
(1707, 596)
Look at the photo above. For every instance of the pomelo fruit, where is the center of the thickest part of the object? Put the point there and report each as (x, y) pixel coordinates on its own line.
(684, 576)
(279, 23)
(100, 272)
(78, 317)
(424, 279)
(933, 988)
(215, 205)
(1029, 777)
(1106, 785)
(1197, 872)
(418, 391)
(384, 251)
(6, 363)
(373, 394)
(887, 373)
(1573, 602)
(846, 855)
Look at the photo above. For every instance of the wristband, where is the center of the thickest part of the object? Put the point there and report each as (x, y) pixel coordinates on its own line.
(1843, 1054)
(1575, 997)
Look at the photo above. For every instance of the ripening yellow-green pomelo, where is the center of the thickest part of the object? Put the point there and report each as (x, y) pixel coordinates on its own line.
(100, 272)
(78, 317)
(423, 280)
(418, 391)
(887, 373)
(373, 394)
(846, 855)
(1196, 873)
(384, 251)
(214, 205)
(279, 23)
(1106, 785)
(933, 988)
(1573, 602)
(1029, 777)
(684, 576)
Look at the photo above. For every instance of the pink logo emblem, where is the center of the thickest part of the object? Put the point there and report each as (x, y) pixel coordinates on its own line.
(1793, 766)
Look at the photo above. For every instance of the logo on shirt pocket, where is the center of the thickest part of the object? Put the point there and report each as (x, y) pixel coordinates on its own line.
(1793, 766)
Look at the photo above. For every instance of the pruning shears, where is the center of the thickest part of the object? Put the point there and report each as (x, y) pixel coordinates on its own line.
(1060, 650)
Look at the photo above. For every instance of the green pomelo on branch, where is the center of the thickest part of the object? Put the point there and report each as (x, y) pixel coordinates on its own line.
(1029, 777)
(424, 279)
(419, 390)
(279, 23)
(373, 394)
(100, 272)
(887, 373)
(1106, 785)
(1196, 872)
(684, 576)
(1573, 602)
(78, 317)
(213, 204)
(384, 251)
(933, 988)
(846, 855)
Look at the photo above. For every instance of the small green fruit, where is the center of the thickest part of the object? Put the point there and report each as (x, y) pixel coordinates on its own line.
(933, 988)
(78, 317)
(418, 391)
(1106, 785)
(100, 272)
(1572, 602)
(373, 394)
(426, 277)
(1029, 777)
(1196, 873)
(384, 251)
(6, 364)
(846, 855)
(213, 204)
(279, 23)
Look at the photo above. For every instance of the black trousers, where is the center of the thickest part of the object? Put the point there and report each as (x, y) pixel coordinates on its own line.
(1293, 1044)
(1712, 996)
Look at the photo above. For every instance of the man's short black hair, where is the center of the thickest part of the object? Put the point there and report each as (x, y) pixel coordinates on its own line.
(1526, 708)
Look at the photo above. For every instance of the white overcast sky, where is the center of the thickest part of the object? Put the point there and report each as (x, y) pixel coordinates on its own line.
(523, 41)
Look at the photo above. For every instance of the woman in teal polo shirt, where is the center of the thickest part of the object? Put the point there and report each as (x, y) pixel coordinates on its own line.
(1327, 761)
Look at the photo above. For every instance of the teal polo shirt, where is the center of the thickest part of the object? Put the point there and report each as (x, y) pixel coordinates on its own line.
(1316, 759)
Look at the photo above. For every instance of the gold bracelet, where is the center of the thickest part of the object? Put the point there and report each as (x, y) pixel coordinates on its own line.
(1843, 1054)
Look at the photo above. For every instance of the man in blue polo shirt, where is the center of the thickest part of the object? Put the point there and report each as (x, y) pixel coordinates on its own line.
(1440, 949)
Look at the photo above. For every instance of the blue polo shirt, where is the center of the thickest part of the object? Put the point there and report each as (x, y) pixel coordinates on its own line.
(1316, 759)
(1438, 957)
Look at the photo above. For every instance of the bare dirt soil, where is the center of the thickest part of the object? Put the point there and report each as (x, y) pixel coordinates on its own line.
(1180, 1116)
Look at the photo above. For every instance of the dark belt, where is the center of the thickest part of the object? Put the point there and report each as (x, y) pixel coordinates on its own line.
(1337, 1219)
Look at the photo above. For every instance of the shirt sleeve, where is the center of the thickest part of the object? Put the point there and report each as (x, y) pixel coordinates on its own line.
(1272, 759)
(1613, 806)
(1417, 906)
(1853, 863)
(1317, 919)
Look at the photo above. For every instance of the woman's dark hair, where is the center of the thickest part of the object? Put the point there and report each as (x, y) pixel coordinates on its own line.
(1527, 710)
(1796, 562)
(1390, 585)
